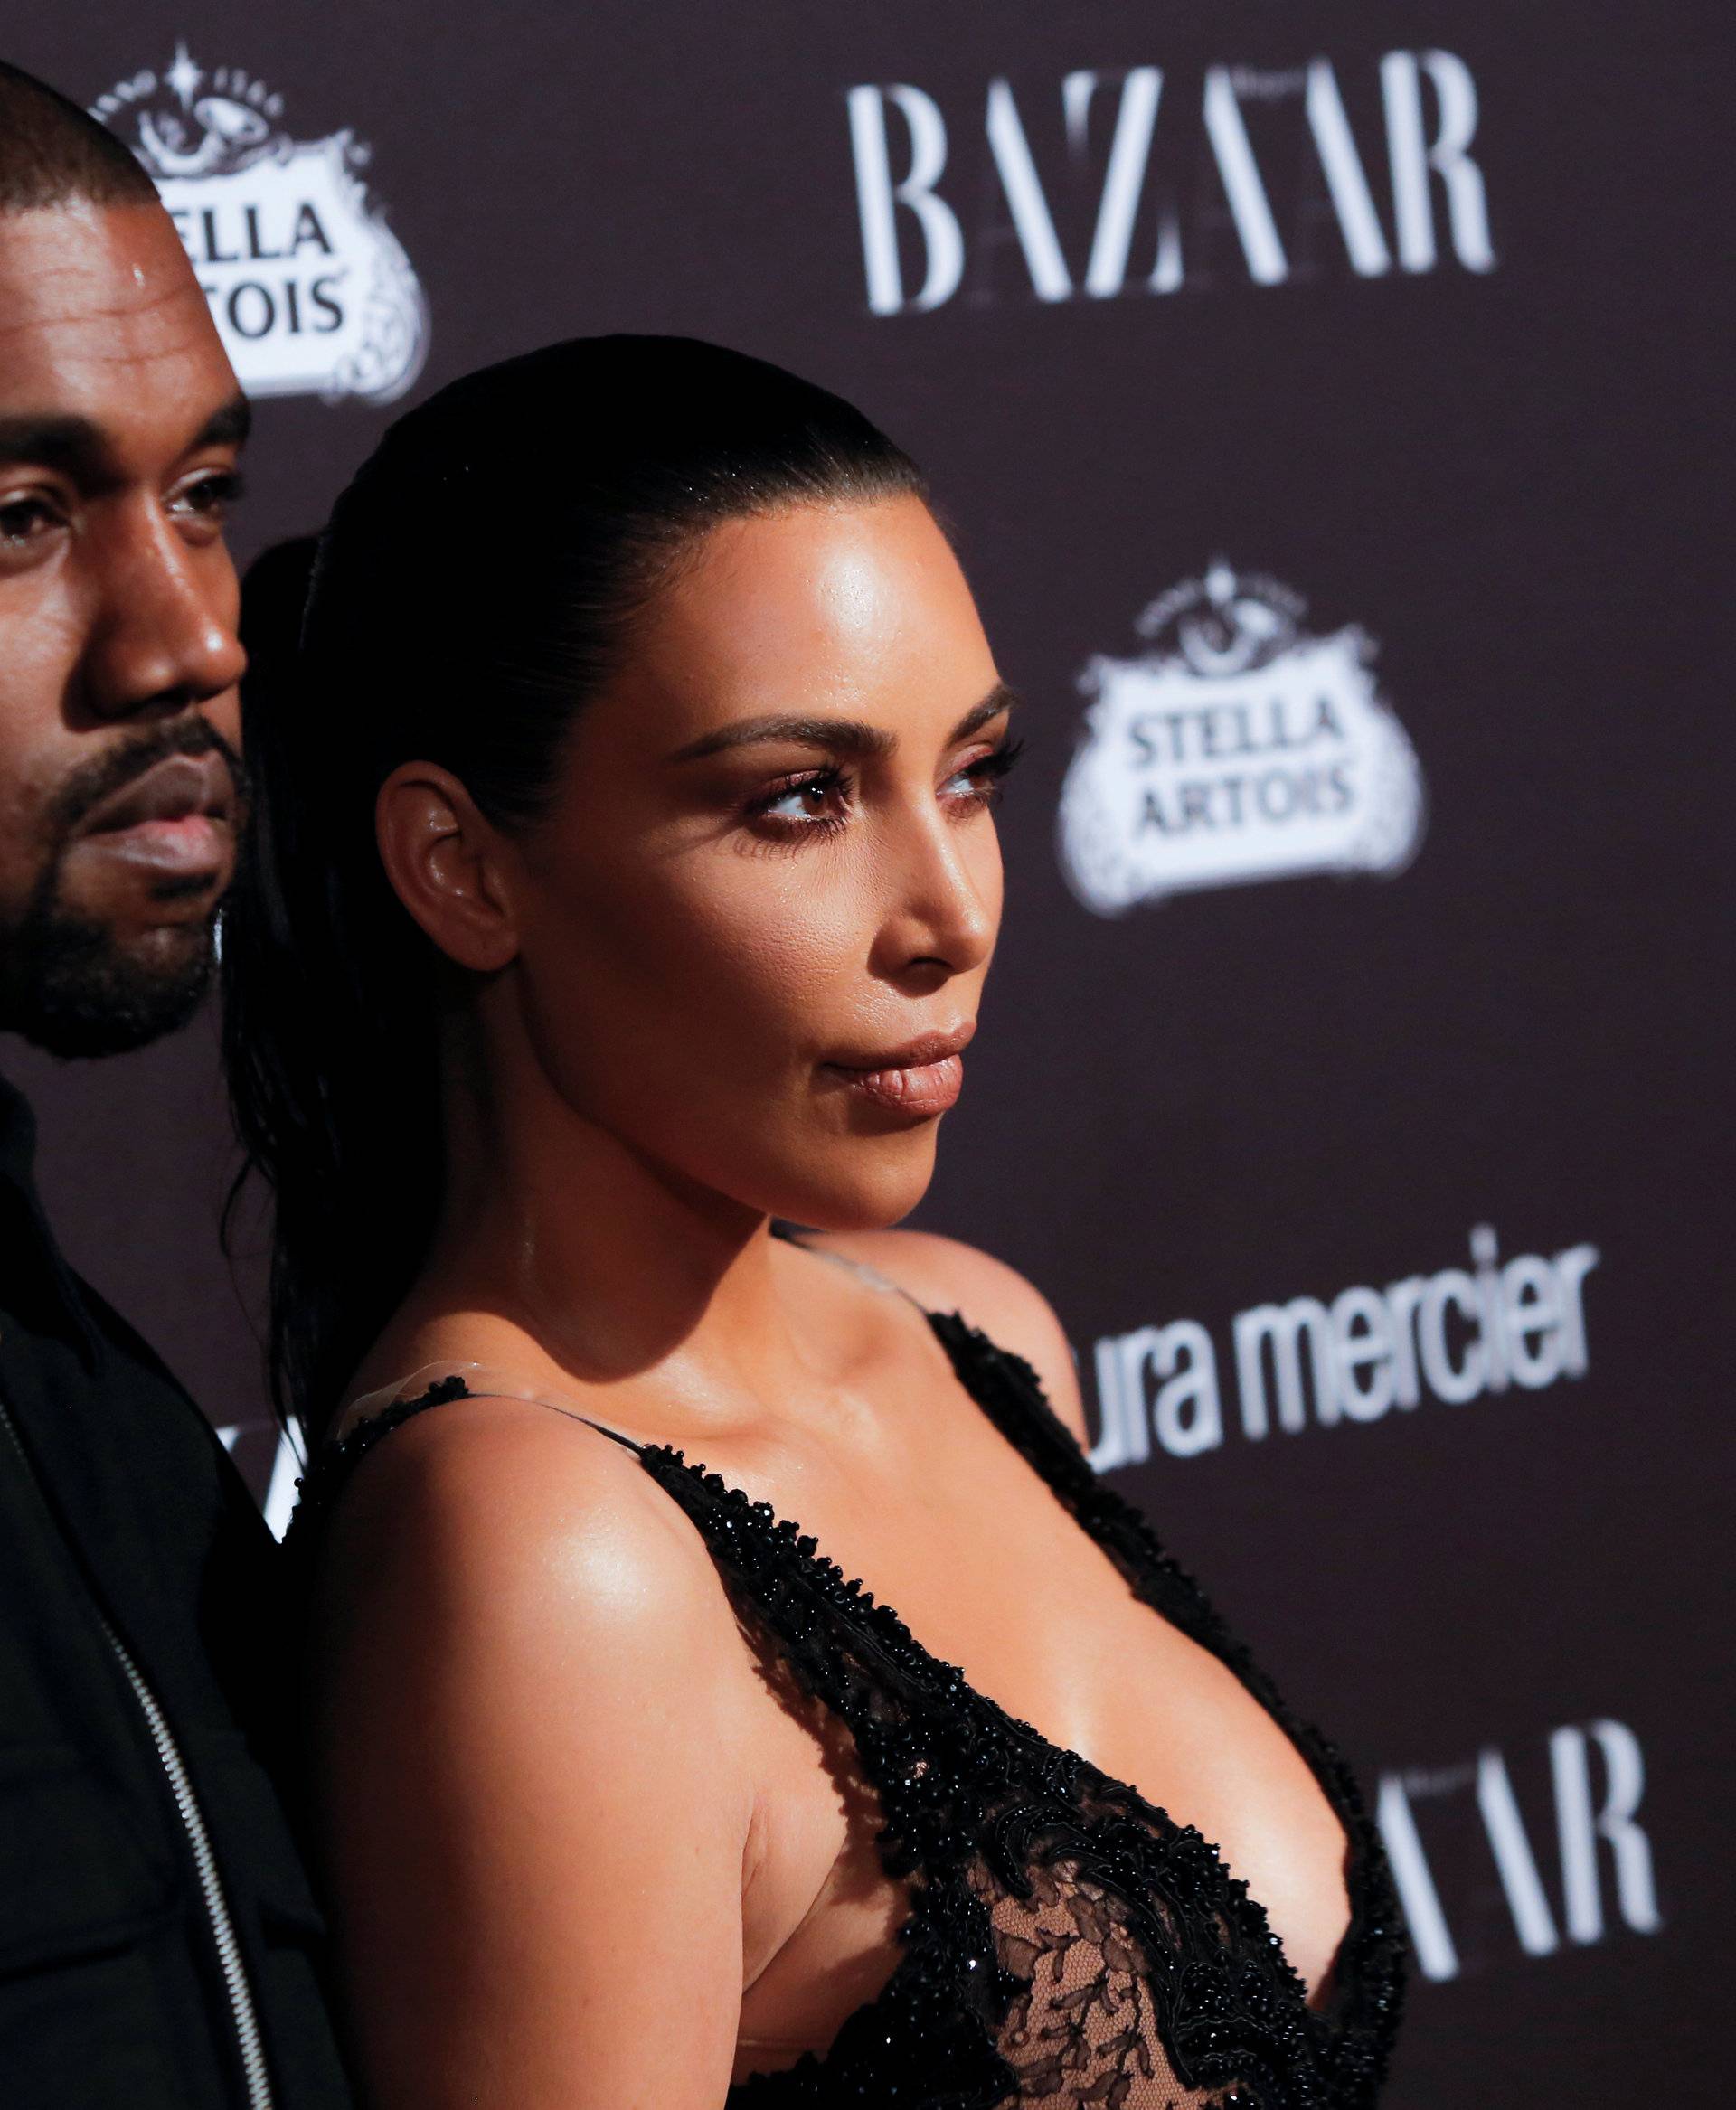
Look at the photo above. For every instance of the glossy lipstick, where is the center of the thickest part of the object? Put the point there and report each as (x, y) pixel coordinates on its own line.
(921, 1079)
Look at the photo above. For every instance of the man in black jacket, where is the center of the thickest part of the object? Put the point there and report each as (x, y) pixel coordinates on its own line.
(159, 1948)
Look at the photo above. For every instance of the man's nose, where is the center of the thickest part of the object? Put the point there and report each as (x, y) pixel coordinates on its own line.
(163, 631)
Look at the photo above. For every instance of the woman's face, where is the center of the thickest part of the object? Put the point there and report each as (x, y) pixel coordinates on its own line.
(754, 927)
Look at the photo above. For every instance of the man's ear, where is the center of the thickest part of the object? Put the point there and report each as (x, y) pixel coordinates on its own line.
(447, 864)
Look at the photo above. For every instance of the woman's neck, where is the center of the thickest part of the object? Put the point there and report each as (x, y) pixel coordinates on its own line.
(613, 1264)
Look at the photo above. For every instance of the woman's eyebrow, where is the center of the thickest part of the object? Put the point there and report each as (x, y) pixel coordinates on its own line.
(841, 736)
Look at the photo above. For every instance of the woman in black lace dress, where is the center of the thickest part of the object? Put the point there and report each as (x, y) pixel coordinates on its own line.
(625, 881)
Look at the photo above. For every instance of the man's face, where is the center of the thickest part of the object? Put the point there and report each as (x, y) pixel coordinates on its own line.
(120, 797)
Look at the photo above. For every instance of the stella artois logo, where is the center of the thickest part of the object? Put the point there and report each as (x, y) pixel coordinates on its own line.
(1236, 747)
(310, 288)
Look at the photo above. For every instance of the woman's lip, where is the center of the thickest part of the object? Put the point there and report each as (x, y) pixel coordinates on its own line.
(925, 1049)
(919, 1088)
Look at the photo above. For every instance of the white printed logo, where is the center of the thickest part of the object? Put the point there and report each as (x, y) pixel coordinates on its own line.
(309, 288)
(1237, 746)
(1605, 1872)
(1456, 1335)
(1198, 179)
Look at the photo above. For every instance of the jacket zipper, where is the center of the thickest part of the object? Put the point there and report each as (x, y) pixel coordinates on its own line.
(193, 1822)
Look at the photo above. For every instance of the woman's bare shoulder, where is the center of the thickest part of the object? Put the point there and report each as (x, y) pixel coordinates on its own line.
(947, 1274)
(527, 1532)
(538, 1735)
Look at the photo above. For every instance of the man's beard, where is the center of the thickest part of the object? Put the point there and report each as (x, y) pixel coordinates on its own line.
(73, 986)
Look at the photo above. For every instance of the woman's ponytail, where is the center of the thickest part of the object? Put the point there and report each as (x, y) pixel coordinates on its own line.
(329, 1025)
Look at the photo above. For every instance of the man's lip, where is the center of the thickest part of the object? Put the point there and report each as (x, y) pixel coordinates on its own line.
(174, 790)
(914, 1055)
(195, 849)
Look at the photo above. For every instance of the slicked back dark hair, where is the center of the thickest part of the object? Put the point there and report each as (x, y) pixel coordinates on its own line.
(52, 153)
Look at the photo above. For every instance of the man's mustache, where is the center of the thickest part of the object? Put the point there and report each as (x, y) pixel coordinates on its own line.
(98, 779)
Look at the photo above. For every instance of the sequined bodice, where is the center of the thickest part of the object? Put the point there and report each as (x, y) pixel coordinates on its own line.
(1067, 1944)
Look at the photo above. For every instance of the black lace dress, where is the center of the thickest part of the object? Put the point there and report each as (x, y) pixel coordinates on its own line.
(1068, 1945)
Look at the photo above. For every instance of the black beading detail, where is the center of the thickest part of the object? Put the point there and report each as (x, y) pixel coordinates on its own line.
(1068, 1944)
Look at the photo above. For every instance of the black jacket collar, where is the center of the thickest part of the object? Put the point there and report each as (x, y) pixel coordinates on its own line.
(37, 1287)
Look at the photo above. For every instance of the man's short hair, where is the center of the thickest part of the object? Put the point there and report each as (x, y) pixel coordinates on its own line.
(52, 153)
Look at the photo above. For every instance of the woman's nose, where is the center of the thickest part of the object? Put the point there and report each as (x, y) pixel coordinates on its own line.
(942, 899)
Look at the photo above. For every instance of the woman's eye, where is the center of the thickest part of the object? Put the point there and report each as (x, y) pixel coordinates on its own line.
(980, 780)
(815, 801)
(819, 803)
(801, 804)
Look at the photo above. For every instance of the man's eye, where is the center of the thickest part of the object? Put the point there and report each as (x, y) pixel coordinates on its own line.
(210, 497)
(23, 520)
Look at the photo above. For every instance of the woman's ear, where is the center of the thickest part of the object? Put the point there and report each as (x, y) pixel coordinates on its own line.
(447, 864)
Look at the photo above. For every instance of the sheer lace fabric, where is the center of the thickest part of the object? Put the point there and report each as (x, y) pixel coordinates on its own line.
(1068, 1945)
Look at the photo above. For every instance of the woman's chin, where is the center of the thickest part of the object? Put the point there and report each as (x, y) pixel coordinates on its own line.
(872, 1198)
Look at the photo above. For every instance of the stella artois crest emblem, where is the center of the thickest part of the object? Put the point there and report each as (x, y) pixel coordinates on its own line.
(310, 288)
(1236, 747)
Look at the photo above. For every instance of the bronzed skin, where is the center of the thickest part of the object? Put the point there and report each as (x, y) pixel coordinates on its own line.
(120, 424)
(581, 1854)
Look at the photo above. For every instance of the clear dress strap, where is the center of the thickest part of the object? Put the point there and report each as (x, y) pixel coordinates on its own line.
(480, 1382)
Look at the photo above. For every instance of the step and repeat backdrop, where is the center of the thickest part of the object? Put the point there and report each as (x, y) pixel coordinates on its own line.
(1325, 397)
